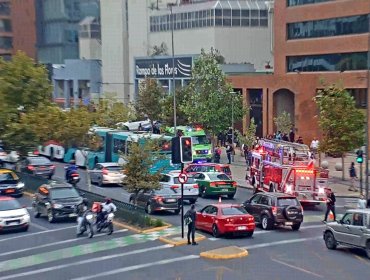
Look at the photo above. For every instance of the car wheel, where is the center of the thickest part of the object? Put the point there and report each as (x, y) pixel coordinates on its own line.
(296, 226)
(249, 234)
(36, 212)
(149, 209)
(330, 241)
(26, 228)
(215, 231)
(231, 196)
(51, 218)
(203, 194)
(267, 223)
(177, 211)
(192, 201)
(368, 249)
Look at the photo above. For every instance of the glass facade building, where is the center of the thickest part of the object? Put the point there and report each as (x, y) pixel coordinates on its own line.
(304, 2)
(223, 14)
(6, 36)
(329, 27)
(58, 27)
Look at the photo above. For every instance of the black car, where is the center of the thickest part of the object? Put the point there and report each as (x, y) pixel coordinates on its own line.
(270, 209)
(157, 200)
(56, 201)
(38, 165)
(10, 184)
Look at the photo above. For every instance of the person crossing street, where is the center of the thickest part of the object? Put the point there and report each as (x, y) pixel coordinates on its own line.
(330, 204)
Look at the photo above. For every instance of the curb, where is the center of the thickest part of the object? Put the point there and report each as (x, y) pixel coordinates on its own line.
(214, 255)
(165, 239)
(156, 228)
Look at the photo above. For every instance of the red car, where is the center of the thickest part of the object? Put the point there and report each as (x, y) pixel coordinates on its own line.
(221, 219)
(193, 168)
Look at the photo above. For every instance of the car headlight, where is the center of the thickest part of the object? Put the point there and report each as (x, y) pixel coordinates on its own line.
(26, 218)
(20, 185)
(321, 190)
(57, 206)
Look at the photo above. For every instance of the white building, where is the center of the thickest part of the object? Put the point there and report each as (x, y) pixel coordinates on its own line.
(239, 29)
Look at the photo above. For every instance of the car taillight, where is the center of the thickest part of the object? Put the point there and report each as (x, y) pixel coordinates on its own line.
(196, 186)
(174, 187)
(158, 198)
(250, 219)
(274, 210)
(105, 171)
(30, 167)
(52, 166)
(235, 184)
(213, 184)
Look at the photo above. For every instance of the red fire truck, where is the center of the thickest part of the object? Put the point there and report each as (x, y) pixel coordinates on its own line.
(281, 166)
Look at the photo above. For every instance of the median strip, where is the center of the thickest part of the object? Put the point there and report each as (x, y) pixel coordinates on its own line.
(225, 253)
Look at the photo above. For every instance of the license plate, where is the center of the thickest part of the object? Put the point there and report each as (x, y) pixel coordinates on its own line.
(225, 190)
(9, 191)
(288, 223)
(242, 228)
(13, 223)
(171, 200)
(72, 215)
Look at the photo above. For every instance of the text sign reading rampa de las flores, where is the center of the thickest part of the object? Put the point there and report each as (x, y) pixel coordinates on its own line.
(162, 67)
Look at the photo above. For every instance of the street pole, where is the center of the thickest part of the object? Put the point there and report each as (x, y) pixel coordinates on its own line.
(182, 204)
(173, 67)
(361, 187)
(367, 114)
(232, 126)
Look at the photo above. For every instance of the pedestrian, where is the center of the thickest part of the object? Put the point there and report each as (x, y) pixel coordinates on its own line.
(219, 138)
(81, 209)
(190, 218)
(217, 154)
(353, 176)
(140, 128)
(361, 203)
(229, 151)
(245, 152)
(229, 135)
(330, 204)
(300, 140)
(285, 137)
(291, 135)
(314, 146)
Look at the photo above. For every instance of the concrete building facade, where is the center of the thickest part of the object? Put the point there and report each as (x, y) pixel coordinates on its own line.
(316, 43)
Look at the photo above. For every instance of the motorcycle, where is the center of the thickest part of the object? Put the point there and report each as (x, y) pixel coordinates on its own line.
(107, 223)
(87, 223)
(72, 177)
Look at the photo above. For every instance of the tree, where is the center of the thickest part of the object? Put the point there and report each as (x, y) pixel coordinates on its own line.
(150, 99)
(249, 136)
(209, 99)
(139, 161)
(109, 112)
(341, 122)
(283, 122)
(167, 109)
(160, 50)
(22, 84)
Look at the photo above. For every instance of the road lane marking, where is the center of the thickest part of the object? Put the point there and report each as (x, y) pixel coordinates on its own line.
(262, 245)
(38, 226)
(36, 233)
(55, 243)
(97, 259)
(139, 266)
(83, 249)
(297, 268)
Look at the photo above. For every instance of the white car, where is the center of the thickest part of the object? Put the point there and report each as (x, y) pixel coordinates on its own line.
(191, 189)
(107, 173)
(3, 154)
(134, 126)
(12, 215)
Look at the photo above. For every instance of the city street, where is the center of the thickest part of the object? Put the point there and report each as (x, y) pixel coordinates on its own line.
(52, 251)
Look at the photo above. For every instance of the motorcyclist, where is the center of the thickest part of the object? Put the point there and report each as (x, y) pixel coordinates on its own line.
(70, 168)
(81, 209)
(107, 207)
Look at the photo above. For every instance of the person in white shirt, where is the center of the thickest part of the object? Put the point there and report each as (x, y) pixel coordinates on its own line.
(361, 203)
(314, 146)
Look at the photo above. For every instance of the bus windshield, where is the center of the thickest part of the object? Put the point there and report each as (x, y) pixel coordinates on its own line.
(200, 140)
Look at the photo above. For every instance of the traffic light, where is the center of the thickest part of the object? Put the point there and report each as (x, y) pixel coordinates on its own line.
(360, 158)
(186, 149)
(175, 149)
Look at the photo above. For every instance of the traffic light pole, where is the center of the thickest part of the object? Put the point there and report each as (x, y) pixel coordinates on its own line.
(182, 204)
(361, 188)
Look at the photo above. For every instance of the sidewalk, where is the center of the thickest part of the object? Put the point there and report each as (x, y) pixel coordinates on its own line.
(340, 188)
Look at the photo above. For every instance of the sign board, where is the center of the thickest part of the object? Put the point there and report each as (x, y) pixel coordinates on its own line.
(183, 178)
(162, 67)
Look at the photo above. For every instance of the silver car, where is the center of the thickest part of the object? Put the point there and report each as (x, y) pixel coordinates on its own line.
(107, 173)
(191, 189)
(352, 230)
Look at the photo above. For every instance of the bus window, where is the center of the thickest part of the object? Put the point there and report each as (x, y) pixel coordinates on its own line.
(119, 145)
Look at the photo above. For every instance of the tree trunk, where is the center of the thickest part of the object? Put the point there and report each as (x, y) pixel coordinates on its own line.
(342, 167)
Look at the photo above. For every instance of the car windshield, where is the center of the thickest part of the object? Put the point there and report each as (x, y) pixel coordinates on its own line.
(287, 201)
(217, 177)
(200, 140)
(189, 181)
(11, 204)
(39, 161)
(60, 193)
(114, 168)
(8, 178)
(233, 211)
(165, 191)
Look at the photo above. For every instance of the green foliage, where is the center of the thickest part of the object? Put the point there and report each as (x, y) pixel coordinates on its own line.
(150, 100)
(109, 112)
(250, 135)
(208, 99)
(156, 223)
(167, 109)
(160, 50)
(283, 122)
(22, 83)
(339, 119)
(139, 161)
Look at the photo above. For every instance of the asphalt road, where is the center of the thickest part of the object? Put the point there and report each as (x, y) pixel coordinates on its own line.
(52, 251)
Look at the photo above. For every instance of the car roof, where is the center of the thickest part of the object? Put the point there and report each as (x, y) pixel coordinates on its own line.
(366, 211)
(276, 194)
(106, 164)
(224, 205)
(210, 164)
(56, 185)
(213, 173)
(6, 198)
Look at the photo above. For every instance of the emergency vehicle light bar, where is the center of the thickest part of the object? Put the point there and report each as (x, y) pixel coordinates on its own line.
(304, 171)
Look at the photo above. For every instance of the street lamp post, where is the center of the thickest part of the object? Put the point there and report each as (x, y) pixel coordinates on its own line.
(173, 67)
(232, 125)
(367, 114)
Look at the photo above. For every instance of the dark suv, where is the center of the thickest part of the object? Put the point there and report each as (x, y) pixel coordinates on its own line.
(56, 201)
(270, 209)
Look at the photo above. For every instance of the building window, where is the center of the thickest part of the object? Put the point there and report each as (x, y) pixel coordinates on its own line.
(329, 27)
(5, 25)
(4, 8)
(327, 62)
(360, 96)
(6, 43)
(304, 2)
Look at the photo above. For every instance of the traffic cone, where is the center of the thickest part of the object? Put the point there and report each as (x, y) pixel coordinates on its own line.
(331, 216)
(219, 199)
